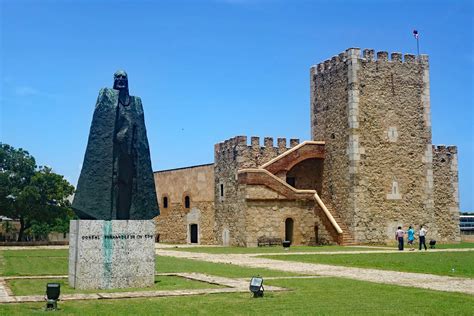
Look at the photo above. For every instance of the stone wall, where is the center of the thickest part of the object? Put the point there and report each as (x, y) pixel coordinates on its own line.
(445, 180)
(374, 115)
(229, 157)
(230, 214)
(329, 123)
(376, 169)
(266, 218)
(308, 174)
(394, 175)
(173, 224)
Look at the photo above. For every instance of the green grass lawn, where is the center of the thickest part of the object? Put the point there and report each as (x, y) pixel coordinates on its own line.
(440, 263)
(322, 296)
(171, 264)
(55, 262)
(335, 296)
(275, 249)
(162, 283)
(34, 262)
(462, 244)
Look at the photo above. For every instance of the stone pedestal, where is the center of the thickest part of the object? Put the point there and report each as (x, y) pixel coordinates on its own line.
(111, 254)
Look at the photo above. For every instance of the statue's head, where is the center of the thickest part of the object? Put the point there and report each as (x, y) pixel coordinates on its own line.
(120, 80)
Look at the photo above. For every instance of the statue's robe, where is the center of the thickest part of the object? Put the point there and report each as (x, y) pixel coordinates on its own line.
(117, 149)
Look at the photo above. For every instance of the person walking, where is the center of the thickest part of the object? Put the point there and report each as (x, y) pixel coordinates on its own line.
(422, 235)
(399, 236)
(411, 238)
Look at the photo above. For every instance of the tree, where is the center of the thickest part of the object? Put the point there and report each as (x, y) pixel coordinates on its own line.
(34, 196)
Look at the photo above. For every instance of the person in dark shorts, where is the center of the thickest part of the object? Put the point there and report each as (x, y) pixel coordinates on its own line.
(422, 235)
(399, 237)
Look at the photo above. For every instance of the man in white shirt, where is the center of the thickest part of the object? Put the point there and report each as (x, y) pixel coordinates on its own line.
(399, 237)
(422, 235)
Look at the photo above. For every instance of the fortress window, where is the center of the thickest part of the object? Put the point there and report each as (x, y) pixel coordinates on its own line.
(395, 191)
(392, 134)
(187, 202)
(165, 202)
(222, 189)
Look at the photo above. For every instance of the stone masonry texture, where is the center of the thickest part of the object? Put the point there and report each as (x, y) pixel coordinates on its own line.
(111, 254)
(249, 212)
(356, 102)
(371, 161)
(173, 224)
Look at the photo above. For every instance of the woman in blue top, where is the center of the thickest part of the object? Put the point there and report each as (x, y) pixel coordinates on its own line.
(411, 238)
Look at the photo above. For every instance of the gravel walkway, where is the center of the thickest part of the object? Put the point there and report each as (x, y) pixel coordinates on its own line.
(419, 280)
(352, 252)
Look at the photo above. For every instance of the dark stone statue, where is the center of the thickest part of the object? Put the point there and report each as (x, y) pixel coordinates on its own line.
(116, 180)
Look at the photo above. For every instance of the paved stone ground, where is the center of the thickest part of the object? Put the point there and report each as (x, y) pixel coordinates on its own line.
(230, 286)
(419, 280)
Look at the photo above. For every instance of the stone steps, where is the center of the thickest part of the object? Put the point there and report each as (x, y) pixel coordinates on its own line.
(347, 238)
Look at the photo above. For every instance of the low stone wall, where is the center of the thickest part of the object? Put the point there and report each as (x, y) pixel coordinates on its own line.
(111, 254)
(33, 243)
(467, 238)
(267, 219)
(173, 224)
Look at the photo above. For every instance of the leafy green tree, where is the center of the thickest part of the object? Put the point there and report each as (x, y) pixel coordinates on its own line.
(40, 230)
(32, 195)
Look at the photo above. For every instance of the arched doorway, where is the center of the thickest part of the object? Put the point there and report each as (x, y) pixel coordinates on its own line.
(193, 233)
(289, 229)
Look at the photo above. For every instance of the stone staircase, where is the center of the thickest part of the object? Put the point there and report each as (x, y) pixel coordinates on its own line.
(345, 238)
(266, 175)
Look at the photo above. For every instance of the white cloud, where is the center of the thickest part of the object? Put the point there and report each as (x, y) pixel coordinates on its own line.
(27, 91)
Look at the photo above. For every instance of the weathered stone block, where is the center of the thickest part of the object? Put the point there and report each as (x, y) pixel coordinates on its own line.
(111, 254)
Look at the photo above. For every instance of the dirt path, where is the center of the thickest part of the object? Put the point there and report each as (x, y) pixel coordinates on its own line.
(419, 280)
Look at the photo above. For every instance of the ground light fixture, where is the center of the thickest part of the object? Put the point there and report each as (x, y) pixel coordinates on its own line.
(256, 286)
(52, 295)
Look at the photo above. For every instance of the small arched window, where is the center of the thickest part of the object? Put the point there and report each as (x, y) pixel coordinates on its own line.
(165, 202)
(187, 202)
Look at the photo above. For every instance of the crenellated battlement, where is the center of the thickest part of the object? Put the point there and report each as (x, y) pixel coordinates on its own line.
(283, 144)
(252, 154)
(443, 149)
(367, 55)
(231, 142)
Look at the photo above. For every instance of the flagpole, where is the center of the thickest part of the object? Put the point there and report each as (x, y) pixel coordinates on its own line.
(418, 45)
(417, 37)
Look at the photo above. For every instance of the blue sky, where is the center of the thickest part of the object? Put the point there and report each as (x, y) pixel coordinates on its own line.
(208, 70)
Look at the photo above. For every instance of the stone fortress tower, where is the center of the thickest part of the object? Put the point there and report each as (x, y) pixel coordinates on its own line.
(369, 167)
(380, 168)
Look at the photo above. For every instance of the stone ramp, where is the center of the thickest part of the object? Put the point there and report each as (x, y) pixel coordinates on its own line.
(409, 279)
